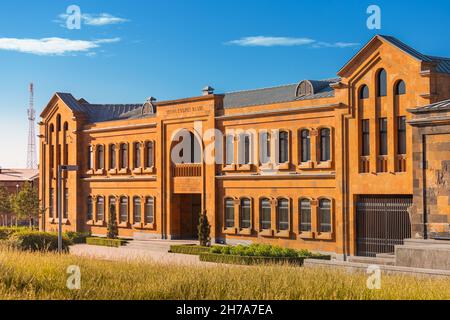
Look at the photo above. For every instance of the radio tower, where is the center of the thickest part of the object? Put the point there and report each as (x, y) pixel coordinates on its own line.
(31, 154)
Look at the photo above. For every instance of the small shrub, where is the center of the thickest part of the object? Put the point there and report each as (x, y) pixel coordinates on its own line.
(7, 232)
(249, 260)
(36, 241)
(104, 242)
(76, 237)
(204, 230)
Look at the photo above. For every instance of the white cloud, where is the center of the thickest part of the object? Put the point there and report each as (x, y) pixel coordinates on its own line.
(52, 46)
(335, 45)
(96, 20)
(263, 41)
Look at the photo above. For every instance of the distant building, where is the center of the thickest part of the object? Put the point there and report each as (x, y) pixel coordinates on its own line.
(13, 180)
(325, 165)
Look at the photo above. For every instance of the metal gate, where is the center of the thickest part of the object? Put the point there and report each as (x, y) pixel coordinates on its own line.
(382, 222)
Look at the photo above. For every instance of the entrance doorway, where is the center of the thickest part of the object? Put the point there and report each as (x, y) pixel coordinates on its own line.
(185, 216)
(382, 222)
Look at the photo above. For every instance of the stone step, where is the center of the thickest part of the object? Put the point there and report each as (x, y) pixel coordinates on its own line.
(384, 261)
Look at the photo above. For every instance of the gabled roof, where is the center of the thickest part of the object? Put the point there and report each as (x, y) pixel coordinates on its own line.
(442, 64)
(103, 112)
(438, 106)
(18, 175)
(285, 93)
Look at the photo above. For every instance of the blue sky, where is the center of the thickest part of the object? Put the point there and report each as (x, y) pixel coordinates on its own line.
(129, 50)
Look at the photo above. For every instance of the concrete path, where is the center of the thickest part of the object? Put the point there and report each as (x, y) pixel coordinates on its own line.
(139, 251)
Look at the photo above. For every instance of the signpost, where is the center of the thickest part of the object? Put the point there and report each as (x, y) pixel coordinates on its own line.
(61, 170)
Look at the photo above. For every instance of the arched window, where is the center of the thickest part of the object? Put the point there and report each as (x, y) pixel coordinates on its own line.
(283, 214)
(244, 149)
(229, 149)
(305, 215)
(137, 210)
(149, 161)
(305, 146)
(100, 209)
(123, 156)
(90, 159)
(58, 123)
(189, 148)
(325, 144)
(364, 92)
(100, 157)
(266, 214)
(149, 210)
(112, 157)
(245, 215)
(90, 209)
(123, 210)
(400, 88)
(229, 213)
(265, 147)
(137, 155)
(325, 215)
(382, 83)
(66, 145)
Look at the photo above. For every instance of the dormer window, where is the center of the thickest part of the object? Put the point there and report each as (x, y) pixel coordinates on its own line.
(305, 88)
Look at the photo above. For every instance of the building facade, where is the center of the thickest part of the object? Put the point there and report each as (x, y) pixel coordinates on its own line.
(322, 165)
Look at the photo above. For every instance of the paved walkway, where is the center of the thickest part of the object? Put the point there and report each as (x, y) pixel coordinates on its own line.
(139, 251)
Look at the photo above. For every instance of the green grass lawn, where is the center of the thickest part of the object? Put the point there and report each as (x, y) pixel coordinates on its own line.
(43, 276)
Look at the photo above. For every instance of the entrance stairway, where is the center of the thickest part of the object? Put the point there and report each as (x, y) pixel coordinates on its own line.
(381, 259)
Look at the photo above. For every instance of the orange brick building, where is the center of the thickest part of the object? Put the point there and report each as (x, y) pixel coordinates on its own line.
(322, 165)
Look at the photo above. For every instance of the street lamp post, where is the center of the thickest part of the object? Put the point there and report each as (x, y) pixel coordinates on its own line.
(61, 170)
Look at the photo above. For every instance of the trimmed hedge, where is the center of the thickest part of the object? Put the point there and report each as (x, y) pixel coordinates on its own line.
(115, 243)
(189, 249)
(262, 250)
(36, 241)
(246, 260)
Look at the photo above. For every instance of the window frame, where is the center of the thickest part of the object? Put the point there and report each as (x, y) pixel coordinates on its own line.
(100, 203)
(262, 220)
(305, 158)
(383, 131)
(100, 155)
(301, 215)
(402, 147)
(284, 139)
(137, 210)
(381, 82)
(148, 200)
(320, 224)
(278, 215)
(126, 212)
(399, 91)
(365, 137)
(112, 156)
(123, 156)
(241, 214)
(321, 150)
(149, 154)
(232, 201)
(364, 92)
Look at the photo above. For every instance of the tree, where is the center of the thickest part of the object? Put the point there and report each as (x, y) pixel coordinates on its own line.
(204, 230)
(25, 204)
(5, 202)
(113, 229)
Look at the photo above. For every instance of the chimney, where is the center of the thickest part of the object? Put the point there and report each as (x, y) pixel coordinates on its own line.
(151, 99)
(208, 90)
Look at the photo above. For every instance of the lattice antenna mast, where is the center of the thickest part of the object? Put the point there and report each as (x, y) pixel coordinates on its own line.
(31, 153)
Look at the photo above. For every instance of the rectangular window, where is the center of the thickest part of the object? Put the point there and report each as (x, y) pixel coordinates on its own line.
(149, 157)
(266, 215)
(90, 210)
(305, 216)
(137, 210)
(365, 132)
(283, 214)
(229, 213)
(100, 209)
(325, 216)
(90, 158)
(51, 208)
(383, 137)
(265, 148)
(244, 149)
(137, 155)
(283, 156)
(245, 214)
(325, 144)
(401, 135)
(112, 207)
(52, 156)
(66, 204)
(306, 146)
(149, 211)
(112, 157)
(229, 150)
(124, 156)
(123, 214)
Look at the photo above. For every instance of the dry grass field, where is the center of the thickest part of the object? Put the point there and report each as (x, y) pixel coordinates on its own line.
(44, 276)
